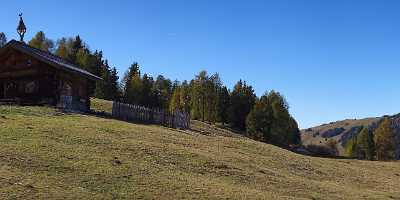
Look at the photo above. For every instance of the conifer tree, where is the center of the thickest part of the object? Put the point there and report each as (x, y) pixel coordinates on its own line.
(365, 144)
(114, 85)
(270, 121)
(259, 121)
(41, 42)
(384, 139)
(108, 87)
(242, 101)
(147, 95)
(75, 45)
(199, 96)
(162, 90)
(185, 96)
(175, 103)
(351, 147)
(223, 104)
(132, 84)
(62, 49)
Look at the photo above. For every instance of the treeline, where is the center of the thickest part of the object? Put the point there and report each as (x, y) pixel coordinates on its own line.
(266, 118)
(379, 144)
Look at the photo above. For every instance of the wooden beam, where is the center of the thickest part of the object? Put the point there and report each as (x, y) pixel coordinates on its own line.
(19, 73)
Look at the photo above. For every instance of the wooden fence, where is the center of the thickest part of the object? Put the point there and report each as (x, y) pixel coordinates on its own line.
(133, 113)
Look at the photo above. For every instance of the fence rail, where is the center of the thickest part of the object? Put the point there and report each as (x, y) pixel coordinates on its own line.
(134, 113)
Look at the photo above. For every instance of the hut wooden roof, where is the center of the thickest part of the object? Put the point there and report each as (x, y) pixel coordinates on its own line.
(51, 59)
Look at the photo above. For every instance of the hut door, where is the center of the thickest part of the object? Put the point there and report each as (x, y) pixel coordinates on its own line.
(66, 95)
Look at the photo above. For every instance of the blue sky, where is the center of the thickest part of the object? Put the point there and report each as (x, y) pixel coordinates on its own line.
(331, 59)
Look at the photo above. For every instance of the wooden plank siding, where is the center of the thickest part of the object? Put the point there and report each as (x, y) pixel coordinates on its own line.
(17, 68)
(134, 113)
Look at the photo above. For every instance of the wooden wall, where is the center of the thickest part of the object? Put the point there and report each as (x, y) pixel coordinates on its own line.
(18, 67)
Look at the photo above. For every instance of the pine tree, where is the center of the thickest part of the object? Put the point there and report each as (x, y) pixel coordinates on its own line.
(162, 90)
(132, 85)
(223, 104)
(62, 49)
(270, 121)
(147, 96)
(175, 103)
(115, 92)
(293, 134)
(384, 139)
(259, 121)
(351, 147)
(41, 42)
(199, 96)
(3, 39)
(108, 88)
(365, 144)
(75, 45)
(242, 101)
(185, 97)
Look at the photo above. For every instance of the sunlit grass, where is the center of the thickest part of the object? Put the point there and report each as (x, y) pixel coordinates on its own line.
(48, 154)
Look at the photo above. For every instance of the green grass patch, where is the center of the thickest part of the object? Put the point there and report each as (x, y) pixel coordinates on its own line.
(45, 154)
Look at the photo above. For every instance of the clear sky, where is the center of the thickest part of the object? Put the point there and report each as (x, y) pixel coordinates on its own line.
(331, 59)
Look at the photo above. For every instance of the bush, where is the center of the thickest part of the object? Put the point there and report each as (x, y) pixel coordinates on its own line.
(321, 150)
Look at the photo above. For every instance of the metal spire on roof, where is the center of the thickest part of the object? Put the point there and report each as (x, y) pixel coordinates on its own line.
(21, 29)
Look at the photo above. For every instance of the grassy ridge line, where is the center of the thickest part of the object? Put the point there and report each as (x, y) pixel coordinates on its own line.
(46, 154)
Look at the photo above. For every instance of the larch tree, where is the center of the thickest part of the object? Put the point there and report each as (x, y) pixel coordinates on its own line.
(40, 41)
(365, 144)
(132, 84)
(185, 97)
(199, 96)
(175, 103)
(384, 139)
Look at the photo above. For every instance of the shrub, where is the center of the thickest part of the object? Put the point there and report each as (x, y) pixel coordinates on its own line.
(321, 150)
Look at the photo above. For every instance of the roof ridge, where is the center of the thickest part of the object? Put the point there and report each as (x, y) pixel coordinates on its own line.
(46, 52)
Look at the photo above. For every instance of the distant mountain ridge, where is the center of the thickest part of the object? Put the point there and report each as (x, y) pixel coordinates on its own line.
(342, 131)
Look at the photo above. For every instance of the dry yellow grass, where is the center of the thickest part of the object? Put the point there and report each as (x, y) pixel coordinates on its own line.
(45, 154)
(101, 105)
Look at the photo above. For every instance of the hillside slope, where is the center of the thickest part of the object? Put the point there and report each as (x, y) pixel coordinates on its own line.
(342, 131)
(47, 154)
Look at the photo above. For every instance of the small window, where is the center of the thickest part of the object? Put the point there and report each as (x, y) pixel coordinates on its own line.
(30, 87)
